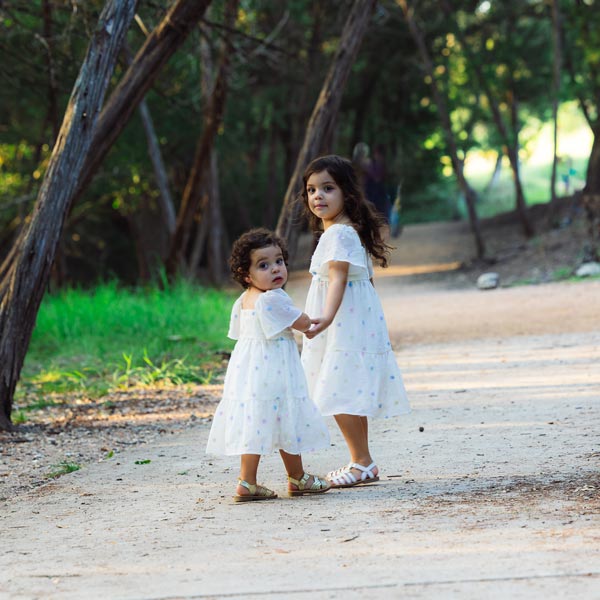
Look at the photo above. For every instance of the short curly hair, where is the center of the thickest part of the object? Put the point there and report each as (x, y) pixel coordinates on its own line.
(239, 261)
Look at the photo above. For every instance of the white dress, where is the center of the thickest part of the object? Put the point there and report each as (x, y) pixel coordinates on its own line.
(350, 367)
(265, 404)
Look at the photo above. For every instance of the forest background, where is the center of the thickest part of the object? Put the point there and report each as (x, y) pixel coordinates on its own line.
(480, 107)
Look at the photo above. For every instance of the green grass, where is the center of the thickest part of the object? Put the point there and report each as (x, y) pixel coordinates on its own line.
(108, 338)
(535, 179)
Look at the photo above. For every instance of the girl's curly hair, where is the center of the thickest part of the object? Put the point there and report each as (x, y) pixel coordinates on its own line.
(239, 261)
(366, 220)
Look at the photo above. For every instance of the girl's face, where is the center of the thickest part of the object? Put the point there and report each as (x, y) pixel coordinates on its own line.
(267, 269)
(325, 198)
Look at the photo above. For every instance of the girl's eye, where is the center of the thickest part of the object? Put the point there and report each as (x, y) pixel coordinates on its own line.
(310, 190)
(280, 261)
(262, 265)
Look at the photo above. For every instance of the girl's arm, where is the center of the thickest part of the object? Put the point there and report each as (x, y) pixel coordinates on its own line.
(338, 277)
(302, 323)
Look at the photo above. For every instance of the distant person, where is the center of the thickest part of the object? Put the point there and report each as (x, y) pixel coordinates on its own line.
(265, 404)
(348, 359)
(371, 172)
(375, 183)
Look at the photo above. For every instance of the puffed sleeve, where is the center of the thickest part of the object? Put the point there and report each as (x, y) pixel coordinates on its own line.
(234, 321)
(341, 243)
(276, 312)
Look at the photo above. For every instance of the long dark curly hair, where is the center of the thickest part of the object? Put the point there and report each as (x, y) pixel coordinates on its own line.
(240, 260)
(365, 219)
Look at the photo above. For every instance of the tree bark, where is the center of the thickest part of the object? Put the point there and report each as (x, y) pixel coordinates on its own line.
(457, 164)
(213, 119)
(152, 56)
(324, 112)
(22, 288)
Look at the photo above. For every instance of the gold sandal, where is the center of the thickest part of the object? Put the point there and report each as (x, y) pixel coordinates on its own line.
(319, 486)
(257, 492)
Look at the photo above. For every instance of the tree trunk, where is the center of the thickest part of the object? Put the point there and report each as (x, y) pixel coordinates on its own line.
(22, 288)
(213, 216)
(216, 235)
(457, 164)
(153, 55)
(499, 122)
(269, 213)
(513, 157)
(496, 174)
(591, 200)
(150, 236)
(213, 119)
(592, 179)
(165, 200)
(324, 112)
(555, 100)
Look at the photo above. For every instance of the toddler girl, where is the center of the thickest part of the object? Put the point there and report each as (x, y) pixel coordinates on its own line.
(348, 360)
(265, 404)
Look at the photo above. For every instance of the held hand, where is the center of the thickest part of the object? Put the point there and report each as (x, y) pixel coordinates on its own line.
(318, 325)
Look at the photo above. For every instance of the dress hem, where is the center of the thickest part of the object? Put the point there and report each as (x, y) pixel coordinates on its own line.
(374, 415)
(296, 451)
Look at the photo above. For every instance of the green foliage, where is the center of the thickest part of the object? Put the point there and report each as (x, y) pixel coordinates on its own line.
(111, 337)
(63, 468)
(283, 51)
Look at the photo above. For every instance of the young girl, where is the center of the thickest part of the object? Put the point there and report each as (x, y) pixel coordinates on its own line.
(265, 404)
(348, 360)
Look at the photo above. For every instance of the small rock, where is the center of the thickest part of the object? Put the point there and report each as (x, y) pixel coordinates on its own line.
(588, 269)
(488, 281)
(421, 429)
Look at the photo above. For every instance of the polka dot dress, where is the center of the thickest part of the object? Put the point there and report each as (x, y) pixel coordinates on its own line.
(265, 404)
(350, 367)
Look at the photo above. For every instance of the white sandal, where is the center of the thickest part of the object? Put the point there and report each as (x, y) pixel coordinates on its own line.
(344, 477)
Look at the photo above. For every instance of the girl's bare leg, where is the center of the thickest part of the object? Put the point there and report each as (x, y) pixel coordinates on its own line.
(248, 470)
(355, 430)
(293, 464)
(295, 468)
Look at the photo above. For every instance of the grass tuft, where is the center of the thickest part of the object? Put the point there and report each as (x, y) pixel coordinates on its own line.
(62, 468)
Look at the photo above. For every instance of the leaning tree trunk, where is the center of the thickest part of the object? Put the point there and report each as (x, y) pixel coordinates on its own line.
(23, 285)
(457, 164)
(324, 112)
(137, 80)
(192, 194)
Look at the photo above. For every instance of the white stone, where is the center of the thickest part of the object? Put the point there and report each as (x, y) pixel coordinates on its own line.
(488, 281)
(588, 269)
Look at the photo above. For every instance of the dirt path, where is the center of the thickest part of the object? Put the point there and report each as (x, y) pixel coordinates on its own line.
(497, 497)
